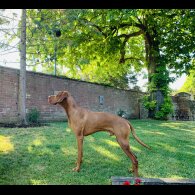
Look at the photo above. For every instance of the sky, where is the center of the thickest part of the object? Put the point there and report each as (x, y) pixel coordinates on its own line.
(10, 58)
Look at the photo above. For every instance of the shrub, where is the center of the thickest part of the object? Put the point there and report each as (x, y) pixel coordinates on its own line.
(165, 110)
(122, 113)
(33, 116)
(148, 104)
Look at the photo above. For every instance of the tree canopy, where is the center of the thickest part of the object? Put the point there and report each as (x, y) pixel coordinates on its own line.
(103, 39)
(103, 45)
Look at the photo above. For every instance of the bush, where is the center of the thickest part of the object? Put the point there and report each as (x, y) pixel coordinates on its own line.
(147, 103)
(122, 113)
(33, 116)
(165, 110)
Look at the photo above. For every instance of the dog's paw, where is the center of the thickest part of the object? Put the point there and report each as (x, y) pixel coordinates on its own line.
(77, 169)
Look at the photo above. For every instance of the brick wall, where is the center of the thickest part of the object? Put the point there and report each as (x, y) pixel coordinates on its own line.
(8, 95)
(40, 86)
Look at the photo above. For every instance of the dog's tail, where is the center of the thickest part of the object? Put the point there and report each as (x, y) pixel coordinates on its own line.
(137, 138)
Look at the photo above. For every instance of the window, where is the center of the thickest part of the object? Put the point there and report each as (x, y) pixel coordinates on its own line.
(101, 100)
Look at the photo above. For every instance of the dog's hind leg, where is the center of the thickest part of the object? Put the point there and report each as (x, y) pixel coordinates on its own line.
(124, 143)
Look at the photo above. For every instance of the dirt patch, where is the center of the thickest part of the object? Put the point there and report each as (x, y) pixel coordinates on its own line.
(13, 125)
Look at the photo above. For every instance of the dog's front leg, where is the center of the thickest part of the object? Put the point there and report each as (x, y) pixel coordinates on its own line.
(80, 153)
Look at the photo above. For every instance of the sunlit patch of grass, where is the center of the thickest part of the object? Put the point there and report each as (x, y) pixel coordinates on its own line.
(160, 133)
(176, 177)
(39, 148)
(5, 144)
(168, 147)
(38, 141)
(69, 150)
(187, 125)
(155, 132)
(171, 124)
(136, 149)
(111, 143)
(68, 129)
(191, 146)
(191, 153)
(37, 182)
(105, 152)
(90, 139)
(191, 131)
(40, 151)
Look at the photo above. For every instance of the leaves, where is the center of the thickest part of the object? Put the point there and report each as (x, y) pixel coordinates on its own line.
(189, 85)
(94, 43)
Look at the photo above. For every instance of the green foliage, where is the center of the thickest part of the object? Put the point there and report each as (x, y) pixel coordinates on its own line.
(96, 35)
(147, 103)
(162, 106)
(6, 35)
(33, 116)
(189, 85)
(3, 19)
(165, 109)
(160, 80)
(87, 52)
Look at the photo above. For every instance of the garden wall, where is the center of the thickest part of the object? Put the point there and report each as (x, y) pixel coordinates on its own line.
(89, 95)
(184, 107)
(39, 86)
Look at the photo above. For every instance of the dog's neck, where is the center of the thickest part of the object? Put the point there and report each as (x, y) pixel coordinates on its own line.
(69, 106)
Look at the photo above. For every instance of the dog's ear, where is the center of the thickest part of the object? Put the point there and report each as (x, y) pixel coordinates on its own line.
(61, 96)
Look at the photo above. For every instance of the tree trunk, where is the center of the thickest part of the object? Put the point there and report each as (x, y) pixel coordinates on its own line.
(22, 82)
(152, 59)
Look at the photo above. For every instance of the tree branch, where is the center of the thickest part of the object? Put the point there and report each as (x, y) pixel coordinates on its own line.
(127, 37)
(133, 58)
(96, 26)
(140, 26)
(134, 34)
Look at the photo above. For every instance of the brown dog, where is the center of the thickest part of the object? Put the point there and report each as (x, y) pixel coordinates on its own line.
(85, 122)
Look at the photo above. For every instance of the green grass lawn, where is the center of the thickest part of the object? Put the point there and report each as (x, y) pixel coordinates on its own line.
(46, 155)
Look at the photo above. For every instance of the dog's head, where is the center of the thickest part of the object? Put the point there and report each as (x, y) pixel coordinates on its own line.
(60, 97)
